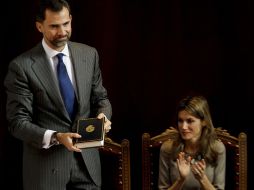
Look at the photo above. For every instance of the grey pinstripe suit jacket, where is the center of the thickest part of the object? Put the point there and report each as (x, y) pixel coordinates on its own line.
(34, 105)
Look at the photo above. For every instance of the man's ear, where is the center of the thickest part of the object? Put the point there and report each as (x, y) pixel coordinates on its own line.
(38, 26)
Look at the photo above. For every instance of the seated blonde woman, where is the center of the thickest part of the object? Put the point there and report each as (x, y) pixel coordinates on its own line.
(196, 160)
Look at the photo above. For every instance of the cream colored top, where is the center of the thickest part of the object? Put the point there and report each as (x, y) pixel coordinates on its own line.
(168, 171)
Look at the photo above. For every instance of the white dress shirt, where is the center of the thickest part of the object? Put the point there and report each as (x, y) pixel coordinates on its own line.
(53, 60)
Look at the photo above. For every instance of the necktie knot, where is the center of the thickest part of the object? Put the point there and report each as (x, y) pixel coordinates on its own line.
(60, 57)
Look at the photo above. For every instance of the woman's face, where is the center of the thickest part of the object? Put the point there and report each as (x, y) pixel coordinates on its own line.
(190, 127)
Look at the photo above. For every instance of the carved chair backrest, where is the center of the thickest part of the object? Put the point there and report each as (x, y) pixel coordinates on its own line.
(236, 169)
(115, 164)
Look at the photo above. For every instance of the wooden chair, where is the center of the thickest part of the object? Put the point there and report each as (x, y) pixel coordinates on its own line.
(115, 165)
(236, 158)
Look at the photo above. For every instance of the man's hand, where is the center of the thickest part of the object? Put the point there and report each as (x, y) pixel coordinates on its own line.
(66, 140)
(107, 123)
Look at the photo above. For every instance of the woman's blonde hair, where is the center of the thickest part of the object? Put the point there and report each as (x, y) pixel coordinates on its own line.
(198, 107)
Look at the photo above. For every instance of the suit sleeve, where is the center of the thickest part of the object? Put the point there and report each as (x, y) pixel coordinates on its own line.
(99, 99)
(19, 106)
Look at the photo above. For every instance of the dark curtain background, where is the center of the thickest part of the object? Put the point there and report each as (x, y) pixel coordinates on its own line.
(152, 53)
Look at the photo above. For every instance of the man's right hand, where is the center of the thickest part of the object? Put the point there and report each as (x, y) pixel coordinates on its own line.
(66, 139)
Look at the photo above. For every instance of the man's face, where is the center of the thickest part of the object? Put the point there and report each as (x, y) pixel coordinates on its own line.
(56, 28)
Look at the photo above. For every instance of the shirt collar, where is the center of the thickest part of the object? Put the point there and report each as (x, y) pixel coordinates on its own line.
(51, 52)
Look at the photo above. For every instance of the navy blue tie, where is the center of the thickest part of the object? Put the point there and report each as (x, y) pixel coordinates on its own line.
(66, 88)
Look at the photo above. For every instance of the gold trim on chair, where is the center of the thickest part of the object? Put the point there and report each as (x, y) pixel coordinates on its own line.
(122, 151)
(240, 143)
(149, 162)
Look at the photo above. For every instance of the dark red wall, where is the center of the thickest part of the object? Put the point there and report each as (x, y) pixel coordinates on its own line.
(152, 53)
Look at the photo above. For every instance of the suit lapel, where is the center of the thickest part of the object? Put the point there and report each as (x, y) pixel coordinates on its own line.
(80, 72)
(43, 71)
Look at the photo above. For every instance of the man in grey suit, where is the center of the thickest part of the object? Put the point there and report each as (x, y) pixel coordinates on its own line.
(36, 111)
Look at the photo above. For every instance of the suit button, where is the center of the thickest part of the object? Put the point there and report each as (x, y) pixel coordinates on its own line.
(54, 171)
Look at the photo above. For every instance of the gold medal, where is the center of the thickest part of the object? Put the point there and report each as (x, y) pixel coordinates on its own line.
(90, 128)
